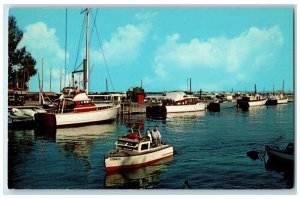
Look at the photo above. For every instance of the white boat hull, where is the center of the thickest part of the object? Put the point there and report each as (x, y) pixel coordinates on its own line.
(257, 102)
(116, 162)
(63, 119)
(75, 119)
(282, 101)
(185, 108)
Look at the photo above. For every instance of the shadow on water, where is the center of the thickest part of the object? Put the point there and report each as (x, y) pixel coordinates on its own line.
(275, 165)
(283, 167)
(142, 178)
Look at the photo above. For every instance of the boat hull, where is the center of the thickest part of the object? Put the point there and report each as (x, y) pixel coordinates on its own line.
(277, 101)
(272, 102)
(279, 155)
(185, 108)
(283, 101)
(116, 160)
(216, 106)
(247, 104)
(257, 102)
(162, 111)
(75, 119)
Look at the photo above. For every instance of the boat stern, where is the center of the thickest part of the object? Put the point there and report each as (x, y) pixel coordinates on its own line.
(45, 120)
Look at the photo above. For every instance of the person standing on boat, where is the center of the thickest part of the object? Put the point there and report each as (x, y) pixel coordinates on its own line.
(148, 135)
(76, 86)
(156, 136)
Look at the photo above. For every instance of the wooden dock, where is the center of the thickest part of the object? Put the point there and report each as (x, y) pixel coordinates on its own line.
(128, 108)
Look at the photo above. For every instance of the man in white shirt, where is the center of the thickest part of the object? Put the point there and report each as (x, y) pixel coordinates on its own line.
(156, 136)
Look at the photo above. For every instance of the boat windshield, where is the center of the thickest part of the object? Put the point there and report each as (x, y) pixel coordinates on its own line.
(126, 144)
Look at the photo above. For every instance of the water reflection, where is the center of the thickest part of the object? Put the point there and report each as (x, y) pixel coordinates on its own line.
(76, 141)
(185, 115)
(179, 122)
(285, 168)
(253, 110)
(142, 178)
(21, 144)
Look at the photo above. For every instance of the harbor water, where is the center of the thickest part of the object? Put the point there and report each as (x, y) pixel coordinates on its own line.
(211, 152)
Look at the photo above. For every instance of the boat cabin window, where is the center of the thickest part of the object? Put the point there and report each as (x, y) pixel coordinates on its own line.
(145, 146)
(125, 144)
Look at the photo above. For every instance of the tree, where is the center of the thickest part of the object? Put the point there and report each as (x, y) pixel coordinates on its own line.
(21, 65)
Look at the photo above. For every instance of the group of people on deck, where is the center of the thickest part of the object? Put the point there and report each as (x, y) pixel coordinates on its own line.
(154, 136)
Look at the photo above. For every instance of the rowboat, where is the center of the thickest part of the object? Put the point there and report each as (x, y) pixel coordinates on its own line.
(134, 151)
(281, 155)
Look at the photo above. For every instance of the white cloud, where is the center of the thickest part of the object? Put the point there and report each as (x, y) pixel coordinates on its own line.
(240, 54)
(40, 39)
(124, 46)
(42, 42)
(145, 16)
(251, 47)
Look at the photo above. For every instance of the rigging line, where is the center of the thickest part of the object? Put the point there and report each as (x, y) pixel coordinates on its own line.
(66, 41)
(91, 36)
(103, 56)
(93, 27)
(80, 39)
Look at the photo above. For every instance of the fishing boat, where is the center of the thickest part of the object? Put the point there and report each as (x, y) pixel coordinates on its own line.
(276, 154)
(134, 151)
(175, 102)
(76, 109)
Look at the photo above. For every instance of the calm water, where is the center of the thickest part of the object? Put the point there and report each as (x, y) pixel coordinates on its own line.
(210, 153)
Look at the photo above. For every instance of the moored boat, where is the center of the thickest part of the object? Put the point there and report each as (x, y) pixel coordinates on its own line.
(251, 100)
(134, 151)
(277, 99)
(276, 154)
(74, 107)
(220, 104)
(176, 102)
(76, 110)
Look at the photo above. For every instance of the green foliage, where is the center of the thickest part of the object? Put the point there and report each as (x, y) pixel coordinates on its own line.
(134, 92)
(18, 57)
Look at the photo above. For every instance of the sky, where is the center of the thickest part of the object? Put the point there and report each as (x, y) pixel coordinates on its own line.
(220, 49)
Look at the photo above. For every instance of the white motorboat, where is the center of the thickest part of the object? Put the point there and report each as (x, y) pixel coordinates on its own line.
(277, 99)
(75, 110)
(251, 100)
(133, 151)
(176, 102)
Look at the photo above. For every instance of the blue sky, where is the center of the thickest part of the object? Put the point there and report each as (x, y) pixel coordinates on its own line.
(219, 48)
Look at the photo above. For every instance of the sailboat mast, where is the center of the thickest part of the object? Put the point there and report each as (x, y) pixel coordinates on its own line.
(86, 70)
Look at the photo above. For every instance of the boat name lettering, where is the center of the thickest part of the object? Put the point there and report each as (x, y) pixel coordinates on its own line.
(115, 158)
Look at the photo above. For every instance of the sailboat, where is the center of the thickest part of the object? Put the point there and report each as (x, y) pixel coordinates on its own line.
(75, 108)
